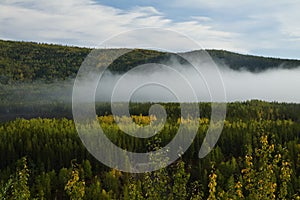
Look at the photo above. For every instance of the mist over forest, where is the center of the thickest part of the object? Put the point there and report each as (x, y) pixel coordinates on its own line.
(45, 73)
(37, 126)
(156, 100)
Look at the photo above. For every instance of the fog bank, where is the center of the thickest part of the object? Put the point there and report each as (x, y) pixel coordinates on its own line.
(281, 85)
(160, 83)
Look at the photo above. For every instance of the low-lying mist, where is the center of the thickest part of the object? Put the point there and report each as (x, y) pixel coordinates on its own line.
(173, 83)
(281, 85)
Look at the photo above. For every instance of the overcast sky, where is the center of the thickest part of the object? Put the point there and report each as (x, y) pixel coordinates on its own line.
(269, 28)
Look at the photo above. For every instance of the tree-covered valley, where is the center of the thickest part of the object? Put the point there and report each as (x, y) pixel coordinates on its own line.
(42, 157)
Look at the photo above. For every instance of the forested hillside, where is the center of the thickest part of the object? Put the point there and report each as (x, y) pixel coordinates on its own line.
(256, 157)
(27, 61)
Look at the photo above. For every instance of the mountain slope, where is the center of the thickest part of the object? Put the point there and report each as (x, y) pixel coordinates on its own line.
(249, 62)
(28, 61)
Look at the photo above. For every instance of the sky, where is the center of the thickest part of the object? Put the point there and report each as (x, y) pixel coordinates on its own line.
(268, 28)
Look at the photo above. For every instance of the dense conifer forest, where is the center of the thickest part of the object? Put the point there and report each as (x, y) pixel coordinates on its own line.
(42, 157)
(256, 157)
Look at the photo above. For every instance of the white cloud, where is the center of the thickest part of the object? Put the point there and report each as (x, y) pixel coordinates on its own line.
(269, 25)
(201, 18)
(240, 26)
(147, 10)
(86, 23)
